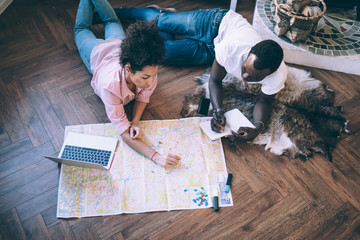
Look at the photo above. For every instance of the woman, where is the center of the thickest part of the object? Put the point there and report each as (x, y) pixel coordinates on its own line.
(124, 68)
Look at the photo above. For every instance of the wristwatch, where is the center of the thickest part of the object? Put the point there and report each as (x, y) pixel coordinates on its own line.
(216, 111)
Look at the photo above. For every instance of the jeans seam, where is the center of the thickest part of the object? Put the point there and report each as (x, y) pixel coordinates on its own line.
(215, 24)
(156, 19)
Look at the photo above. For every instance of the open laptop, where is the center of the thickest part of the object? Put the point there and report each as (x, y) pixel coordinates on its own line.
(85, 150)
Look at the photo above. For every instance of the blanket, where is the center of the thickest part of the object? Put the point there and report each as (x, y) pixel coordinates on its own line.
(304, 119)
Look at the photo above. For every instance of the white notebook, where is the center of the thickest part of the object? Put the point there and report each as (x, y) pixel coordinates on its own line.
(234, 120)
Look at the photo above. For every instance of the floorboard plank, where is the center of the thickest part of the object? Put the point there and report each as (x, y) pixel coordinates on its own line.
(76, 84)
(152, 223)
(62, 24)
(11, 227)
(25, 159)
(62, 108)
(343, 187)
(15, 149)
(304, 220)
(309, 184)
(49, 216)
(79, 225)
(22, 53)
(261, 227)
(25, 175)
(336, 225)
(38, 204)
(117, 236)
(260, 163)
(73, 75)
(29, 191)
(81, 108)
(29, 117)
(90, 234)
(11, 120)
(4, 137)
(97, 107)
(61, 231)
(112, 225)
(35, 228)
(49, 119)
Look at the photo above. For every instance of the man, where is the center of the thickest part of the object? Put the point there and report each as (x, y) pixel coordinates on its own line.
(226, 40)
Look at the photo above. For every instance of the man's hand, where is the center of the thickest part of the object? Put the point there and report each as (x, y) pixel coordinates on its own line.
(135, 131)
(245, 134)
(218, 121)
(248, 134)
(166, 160)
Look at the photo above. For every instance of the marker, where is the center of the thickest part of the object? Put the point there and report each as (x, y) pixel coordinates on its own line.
(228, 183)
(215, 200)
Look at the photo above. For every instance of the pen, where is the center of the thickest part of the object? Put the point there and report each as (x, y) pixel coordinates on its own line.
(228, 183)
(215, 200)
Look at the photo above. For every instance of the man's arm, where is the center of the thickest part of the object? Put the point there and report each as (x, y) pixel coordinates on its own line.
(218, 73)
(263, 108)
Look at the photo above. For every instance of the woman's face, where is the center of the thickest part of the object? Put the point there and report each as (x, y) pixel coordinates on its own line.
(144, 78)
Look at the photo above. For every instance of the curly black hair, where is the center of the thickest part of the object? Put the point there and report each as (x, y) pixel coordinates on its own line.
(142, 46)
(269, 55)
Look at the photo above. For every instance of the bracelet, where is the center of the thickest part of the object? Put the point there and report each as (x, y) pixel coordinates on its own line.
(153, 156)
(263, 125)
(218, 110)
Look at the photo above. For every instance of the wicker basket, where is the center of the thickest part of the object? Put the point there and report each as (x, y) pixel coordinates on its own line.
(294, 25)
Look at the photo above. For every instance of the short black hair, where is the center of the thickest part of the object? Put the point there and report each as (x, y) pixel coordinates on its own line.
(142, 46)
(269, 55)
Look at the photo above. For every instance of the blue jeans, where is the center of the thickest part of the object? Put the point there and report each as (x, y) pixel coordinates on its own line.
(84, 38)
(198, 28)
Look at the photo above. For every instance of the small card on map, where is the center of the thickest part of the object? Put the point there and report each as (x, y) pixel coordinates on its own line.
(234, 120)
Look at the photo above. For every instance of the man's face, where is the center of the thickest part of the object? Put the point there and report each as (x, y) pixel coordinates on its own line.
(250, 73)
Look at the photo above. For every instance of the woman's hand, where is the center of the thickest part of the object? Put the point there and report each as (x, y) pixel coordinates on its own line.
(135, 130)
(166, 160)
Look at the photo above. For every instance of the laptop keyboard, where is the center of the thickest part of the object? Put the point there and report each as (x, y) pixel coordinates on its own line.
(89, 155)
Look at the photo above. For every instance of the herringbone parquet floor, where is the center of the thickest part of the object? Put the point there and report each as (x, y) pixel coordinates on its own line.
(44, 86)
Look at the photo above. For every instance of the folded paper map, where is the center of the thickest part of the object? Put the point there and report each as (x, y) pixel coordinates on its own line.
(135, 184)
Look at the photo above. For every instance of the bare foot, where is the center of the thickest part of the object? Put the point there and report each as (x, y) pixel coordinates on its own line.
(159, 8)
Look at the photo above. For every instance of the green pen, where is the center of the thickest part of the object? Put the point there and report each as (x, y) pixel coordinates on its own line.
(215, 200)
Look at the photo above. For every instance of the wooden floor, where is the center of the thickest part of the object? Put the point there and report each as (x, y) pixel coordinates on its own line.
(44, 86)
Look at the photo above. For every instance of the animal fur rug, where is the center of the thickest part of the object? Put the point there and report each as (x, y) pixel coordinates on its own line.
(304, 119)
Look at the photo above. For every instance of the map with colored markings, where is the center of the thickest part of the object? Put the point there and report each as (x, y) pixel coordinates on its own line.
(136, 184)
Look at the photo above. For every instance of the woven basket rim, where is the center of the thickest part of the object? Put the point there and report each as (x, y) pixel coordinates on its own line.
(289, 14)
